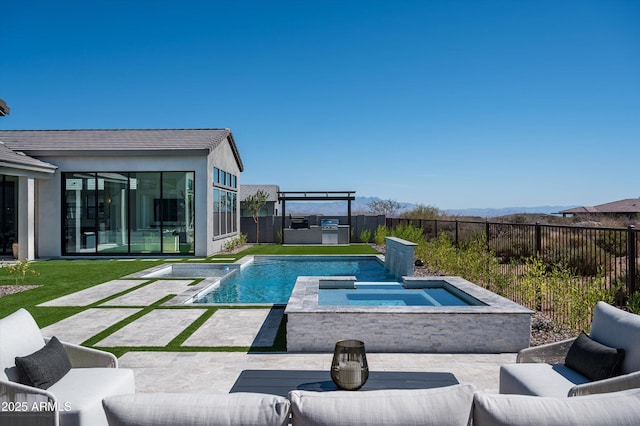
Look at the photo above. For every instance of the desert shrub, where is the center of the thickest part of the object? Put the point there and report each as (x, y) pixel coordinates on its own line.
(19, 269)
(380, 235)
(471, 261)
(585, 261)
(614, 242)
(515, 250)
(408, 233)
(235, 242)
(365, 236)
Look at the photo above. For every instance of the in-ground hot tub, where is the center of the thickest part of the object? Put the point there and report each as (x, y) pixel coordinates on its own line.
(482, 323)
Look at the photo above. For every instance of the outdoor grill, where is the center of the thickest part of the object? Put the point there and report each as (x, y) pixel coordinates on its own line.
(299, 222)
(329, 224)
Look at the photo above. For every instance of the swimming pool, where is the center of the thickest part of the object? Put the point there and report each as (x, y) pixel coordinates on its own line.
(270, 279)
(438, 293)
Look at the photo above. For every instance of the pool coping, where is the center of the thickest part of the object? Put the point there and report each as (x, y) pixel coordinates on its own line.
(304, 299)
(499, 326)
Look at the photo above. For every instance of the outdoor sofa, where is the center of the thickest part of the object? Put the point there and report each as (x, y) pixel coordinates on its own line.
(605, 360)
(452, 405)
(55, 383)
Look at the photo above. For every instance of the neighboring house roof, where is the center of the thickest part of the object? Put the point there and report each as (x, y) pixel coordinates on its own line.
(19, 161)
(4, 108)
(271, 190)
(629, 205)
(50, 142)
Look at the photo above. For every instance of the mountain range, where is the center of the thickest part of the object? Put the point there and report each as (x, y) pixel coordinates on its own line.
(361, 206)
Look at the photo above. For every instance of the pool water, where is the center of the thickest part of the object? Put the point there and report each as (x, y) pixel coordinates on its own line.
(390, 295)
(269, 280)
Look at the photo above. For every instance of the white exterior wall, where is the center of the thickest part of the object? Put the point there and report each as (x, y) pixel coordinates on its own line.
(222, 158)
(49, 220)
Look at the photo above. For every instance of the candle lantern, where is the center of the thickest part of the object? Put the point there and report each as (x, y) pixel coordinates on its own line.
(349, 368)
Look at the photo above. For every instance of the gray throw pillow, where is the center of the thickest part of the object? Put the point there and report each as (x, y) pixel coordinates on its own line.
(594, 360)
(44, 367)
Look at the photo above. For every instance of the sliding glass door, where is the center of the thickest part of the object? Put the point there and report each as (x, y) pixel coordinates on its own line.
(128, 213)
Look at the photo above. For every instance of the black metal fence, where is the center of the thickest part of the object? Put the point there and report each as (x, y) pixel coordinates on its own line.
(608, 253)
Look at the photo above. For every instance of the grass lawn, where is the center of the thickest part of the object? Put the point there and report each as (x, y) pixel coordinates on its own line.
(57, 278)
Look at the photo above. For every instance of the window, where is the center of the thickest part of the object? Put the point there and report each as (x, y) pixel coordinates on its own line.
(225, 198)
(124, 212)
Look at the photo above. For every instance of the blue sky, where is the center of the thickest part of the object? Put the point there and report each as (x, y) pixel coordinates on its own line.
(449, 103)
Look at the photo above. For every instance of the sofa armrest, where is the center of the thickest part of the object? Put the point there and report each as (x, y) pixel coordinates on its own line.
(26, 405)
(613, 384)
(82, 357)
(551, 353)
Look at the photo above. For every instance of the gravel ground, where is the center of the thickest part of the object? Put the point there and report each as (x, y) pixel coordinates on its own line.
(5, 290)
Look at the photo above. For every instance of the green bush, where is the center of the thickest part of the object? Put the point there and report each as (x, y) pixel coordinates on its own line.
(380, 235)
(365, 236)
(408, 233)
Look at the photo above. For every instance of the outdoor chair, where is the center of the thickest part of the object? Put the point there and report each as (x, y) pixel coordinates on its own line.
(605, 360)
(68, 382)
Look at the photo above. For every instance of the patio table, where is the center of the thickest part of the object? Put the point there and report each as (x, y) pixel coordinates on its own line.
(280, 382)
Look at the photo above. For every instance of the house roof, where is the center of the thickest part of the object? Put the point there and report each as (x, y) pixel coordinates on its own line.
(18, 161)
(271, 190)
(4, 108)
(50, 142)
(628, 205)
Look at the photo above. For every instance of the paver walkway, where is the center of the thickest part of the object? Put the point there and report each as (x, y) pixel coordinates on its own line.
(238, 327)
(80, 327)
(150, 293)
(157, 328)
(94, 294)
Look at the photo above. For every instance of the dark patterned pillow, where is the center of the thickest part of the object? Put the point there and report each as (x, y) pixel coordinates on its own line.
(44, 367)
(594, 360)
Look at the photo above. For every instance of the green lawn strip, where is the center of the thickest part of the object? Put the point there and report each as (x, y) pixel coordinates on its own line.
(58, 278)
(121, 350)
(308, 250)
(119, 325)
(187, 332)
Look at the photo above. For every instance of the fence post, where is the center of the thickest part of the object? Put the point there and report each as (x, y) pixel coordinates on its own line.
(538, 239)
(631, 260)
(435, 227)
(486, 229)
(457, 242)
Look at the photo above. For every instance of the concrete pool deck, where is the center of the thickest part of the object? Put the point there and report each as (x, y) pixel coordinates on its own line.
(216, 372)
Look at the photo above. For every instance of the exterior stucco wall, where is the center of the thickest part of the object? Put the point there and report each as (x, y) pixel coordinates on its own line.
(222, 158)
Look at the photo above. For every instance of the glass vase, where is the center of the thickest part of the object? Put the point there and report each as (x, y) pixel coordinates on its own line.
(349, 368)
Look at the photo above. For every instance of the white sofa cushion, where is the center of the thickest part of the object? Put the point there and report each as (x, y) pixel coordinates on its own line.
(444, 406)
(80, 392)
(618, 329)
(20, 336)
(616, 408)
(166, 409)
(538, 379)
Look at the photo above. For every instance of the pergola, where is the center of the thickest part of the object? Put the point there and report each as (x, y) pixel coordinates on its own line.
(347, 196)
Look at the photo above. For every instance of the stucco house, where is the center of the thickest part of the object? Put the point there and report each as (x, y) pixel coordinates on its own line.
(271, 207)
(118, 192)
(628, 208)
